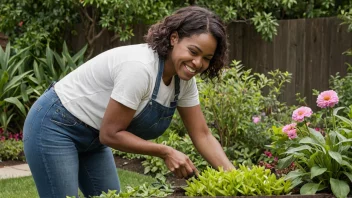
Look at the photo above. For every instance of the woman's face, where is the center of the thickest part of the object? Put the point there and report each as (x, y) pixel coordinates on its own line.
(192, 55)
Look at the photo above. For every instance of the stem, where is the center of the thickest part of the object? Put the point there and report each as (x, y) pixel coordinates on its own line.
(333, 119)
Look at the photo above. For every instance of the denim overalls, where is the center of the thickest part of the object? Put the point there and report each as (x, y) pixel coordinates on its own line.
(63, 152)
(155, 118)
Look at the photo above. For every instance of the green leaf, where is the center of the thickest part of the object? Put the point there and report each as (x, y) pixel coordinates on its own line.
(3, 80)
(336, 156)
(24, 92)
(339, 188)
(316, 170)
(14, 81)
(349, 175)
(309, 189)
(300, 148)
(345, 120)
(19, 105)
(79, 54)
(337, 109)
(317, 136)
(38, 74)
(294, 174)
(285, 162)
(308, 140)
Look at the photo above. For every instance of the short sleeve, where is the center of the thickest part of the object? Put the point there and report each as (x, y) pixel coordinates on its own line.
(131, 83)
(190, 96)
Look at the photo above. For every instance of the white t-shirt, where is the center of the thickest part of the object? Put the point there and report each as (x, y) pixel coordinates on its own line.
(126, 74)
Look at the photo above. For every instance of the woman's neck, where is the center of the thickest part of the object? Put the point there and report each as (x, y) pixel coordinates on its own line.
(169, 71)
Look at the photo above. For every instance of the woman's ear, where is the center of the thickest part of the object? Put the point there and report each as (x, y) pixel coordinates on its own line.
(173, 38)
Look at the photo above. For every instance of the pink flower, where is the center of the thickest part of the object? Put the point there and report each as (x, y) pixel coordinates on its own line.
(299, 114)
(289, 127)
(292, 134)
(20, 23)
(2, 139)
(327, 99)
(256, 119)
(267, 153)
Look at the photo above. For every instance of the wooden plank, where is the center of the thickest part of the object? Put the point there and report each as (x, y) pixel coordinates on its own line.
(236, 37)
(291, 58)
(299, 74)
(280, 51)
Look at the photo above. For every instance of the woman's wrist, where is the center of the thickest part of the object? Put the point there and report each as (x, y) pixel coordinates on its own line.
(164, 151)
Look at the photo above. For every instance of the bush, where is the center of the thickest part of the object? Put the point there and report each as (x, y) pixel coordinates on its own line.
(242, 106)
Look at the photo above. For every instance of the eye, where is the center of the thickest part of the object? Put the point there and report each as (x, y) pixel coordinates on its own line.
(207, 59)
(192, 52)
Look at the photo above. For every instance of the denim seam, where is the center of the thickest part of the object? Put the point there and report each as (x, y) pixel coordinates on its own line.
(93, 184)
(41, 149)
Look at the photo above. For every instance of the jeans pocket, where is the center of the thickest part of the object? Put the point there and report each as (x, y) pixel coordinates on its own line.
(62, 117)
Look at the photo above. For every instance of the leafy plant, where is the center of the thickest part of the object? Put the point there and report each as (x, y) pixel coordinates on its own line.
(156, 166)
(38, 23)
(53, 67)
(243, 154)
(243, 181)
(244, 96)
(323, 156)
(13, 90)
(11, 149)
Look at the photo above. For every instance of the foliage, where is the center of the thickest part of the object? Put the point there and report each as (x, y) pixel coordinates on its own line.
(346, 16)
(156, 166)
(343, 86)
(14, 92)
(243, 154)
(145, 190)
(24, 77)
(37, 22)
(54, 66)
(41, 23)
(243, 97)
(11, 149)
(322, 155)
(243, 181)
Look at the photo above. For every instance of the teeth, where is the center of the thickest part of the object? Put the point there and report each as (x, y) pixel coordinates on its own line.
(190, 69)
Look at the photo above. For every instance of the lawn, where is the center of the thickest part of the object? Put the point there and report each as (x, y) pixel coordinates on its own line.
(25, 187)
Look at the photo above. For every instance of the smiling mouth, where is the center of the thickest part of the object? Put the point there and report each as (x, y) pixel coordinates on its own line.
(190, 69)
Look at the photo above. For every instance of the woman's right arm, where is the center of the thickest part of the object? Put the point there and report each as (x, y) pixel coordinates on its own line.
(113, 133)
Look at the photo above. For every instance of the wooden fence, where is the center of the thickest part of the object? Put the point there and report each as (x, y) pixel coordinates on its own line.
(310, 49)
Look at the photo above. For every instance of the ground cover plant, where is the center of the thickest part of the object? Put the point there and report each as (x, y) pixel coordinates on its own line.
(245, 181)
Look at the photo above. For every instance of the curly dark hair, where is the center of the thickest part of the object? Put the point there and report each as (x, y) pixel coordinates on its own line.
(189, 21)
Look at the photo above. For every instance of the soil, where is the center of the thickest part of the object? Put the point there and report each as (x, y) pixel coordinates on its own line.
(134, 165)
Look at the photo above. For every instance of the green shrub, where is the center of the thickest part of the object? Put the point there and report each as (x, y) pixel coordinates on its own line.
(243, 181)
(231, 105)
(11, 150)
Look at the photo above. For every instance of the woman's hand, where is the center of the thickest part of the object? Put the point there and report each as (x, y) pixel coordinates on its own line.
(179, 163)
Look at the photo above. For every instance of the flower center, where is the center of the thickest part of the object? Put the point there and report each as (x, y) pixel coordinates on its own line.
(326, 97)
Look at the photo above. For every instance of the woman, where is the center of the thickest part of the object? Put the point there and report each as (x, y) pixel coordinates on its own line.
(122, 98)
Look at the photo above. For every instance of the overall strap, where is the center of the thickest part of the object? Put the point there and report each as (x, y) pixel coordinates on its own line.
(158, 78)
(177, 87)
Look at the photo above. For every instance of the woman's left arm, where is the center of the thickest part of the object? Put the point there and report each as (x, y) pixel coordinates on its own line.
(203, 140)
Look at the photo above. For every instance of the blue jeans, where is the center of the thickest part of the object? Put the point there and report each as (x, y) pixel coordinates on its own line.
(64, 153)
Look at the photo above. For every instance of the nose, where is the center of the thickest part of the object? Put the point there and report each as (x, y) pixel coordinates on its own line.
(197, 61)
